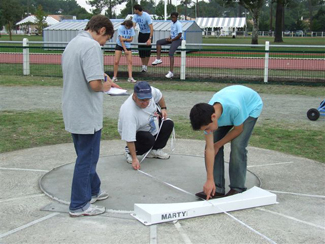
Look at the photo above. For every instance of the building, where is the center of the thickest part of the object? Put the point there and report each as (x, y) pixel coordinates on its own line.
(67, 29)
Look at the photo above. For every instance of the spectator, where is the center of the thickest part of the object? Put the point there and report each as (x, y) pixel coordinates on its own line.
(174, 41)
(145, 34)
(123, 43)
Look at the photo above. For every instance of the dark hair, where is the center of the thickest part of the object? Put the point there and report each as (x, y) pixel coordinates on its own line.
(99, 21)
(137, 7)
(200, 115)
(127, 23)
(174, 14)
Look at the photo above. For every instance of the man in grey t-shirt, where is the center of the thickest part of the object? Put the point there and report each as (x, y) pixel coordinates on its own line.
(82, 108)
(140, 124)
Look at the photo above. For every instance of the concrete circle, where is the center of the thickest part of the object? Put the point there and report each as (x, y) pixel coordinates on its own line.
(127, 186)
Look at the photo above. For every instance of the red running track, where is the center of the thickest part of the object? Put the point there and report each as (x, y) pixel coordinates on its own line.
(198, 62)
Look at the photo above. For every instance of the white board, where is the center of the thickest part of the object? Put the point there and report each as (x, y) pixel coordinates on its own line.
(149, 214)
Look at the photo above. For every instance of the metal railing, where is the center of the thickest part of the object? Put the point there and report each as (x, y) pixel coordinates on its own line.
(200, 62)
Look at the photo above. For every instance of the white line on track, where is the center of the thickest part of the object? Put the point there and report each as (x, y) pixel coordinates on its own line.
(297, 194)
(292, 218)
(275, 164)
(153, 234)
(180, 230)
(20, 169)
(20, 198)
(28, 225)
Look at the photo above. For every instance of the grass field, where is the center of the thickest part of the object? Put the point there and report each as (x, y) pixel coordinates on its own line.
(21, 130)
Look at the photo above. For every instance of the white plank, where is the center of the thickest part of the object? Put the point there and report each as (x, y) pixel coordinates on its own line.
(149, 214)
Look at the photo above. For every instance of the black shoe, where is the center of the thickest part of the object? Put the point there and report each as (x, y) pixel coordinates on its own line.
(202, 195)
(232, 192)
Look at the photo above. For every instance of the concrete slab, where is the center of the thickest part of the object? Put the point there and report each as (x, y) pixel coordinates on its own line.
(298, 218)
(136, 187)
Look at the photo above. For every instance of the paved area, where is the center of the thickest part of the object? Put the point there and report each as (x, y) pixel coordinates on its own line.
(28, 215)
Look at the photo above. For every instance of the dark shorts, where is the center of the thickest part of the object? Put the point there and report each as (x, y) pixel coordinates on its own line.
(144, 50)
(173, 45)
(119, 48)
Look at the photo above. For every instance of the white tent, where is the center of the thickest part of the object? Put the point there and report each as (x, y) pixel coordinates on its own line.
(221, 22)
(32, 20)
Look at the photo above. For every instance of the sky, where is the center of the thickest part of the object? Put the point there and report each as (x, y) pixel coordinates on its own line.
(83, 4)
(118, 8)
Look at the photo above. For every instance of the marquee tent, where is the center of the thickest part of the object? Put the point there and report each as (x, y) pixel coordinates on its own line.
(32, 20)
(221, 22)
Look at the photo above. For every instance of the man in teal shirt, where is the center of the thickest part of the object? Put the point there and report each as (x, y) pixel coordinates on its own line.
(230, 116)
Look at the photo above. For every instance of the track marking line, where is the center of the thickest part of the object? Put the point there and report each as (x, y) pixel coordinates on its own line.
(21, 169)
(28, 225)
(153, 234)
(292, 218)
(20, 198)
(180, 230)
(297, 194)
(275, 164)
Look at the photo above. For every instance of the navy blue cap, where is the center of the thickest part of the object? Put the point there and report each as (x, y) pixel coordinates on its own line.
(143, 90)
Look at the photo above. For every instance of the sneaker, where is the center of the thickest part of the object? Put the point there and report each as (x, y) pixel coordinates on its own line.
(159, 153)
(157, 61)
(128, 158)
(132, 80)
(101, 196)
(144, 68)
(114, 79)
(91, 211)
(170, 75)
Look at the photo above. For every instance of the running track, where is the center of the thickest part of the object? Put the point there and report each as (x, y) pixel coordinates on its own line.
(195, 62)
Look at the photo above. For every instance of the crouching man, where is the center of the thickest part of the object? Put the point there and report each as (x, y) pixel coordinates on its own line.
(143, 124)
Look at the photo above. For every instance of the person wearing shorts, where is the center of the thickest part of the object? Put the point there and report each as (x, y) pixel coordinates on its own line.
(145, 34)
(174, 41)
(125, 34)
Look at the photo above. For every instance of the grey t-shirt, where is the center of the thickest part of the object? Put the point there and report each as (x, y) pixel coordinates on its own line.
(82, 62)
(133, 118)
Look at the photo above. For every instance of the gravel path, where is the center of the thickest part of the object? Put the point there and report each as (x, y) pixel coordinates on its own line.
(289, 109)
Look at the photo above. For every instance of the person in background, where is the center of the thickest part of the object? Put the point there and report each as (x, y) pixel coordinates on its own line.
(174, 41)
(123, 43)
(144, 21)
(82, 108)
(143, 125)
(230, 116)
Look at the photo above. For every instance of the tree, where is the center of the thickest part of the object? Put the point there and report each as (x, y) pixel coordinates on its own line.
(160, 10)
(254, 7)
(278, 21)
(101, 4)
(319, 21)
(40, 19)
(186, 3)
(11, 12)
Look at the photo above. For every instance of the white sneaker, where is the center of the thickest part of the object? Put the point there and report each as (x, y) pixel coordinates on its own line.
(114, 79)
(101, 196)
(144, 68)
(132, 80)
(170, 75)
(128, 158)
(157, 61)
(159, 153)
(91, 211)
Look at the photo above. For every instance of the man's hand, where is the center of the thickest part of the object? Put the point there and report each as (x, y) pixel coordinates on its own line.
(164, 113)
(148, 42)
(135, 163)
(169, 39)
(107, 84)
(209, 188)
